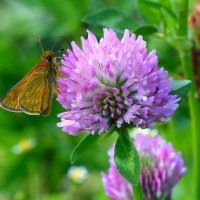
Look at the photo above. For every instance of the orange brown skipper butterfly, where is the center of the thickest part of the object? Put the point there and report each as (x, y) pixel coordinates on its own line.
(33, 93)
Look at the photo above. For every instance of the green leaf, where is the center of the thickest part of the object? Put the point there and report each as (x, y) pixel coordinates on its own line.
(113, 18)
(179, 43)
(127, 159)
(107, 134)
(145, 30)
(83, 147)
(108, 17)
(180, 87)
(148, 11)
(156, 5)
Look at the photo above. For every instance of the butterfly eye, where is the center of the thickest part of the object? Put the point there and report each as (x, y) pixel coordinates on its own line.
(49, 58)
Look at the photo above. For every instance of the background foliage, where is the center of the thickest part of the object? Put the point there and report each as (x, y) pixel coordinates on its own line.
(40, 172)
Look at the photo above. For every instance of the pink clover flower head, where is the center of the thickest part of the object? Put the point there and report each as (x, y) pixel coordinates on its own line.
(161, 169)
(112, 81)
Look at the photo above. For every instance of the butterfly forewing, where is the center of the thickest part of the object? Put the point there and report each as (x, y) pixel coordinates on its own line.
(33, 94)
(36, 96)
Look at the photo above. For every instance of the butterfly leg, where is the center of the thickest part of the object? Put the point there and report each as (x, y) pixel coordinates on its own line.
(56, 90)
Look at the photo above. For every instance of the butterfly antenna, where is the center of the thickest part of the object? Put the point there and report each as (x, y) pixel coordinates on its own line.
(70, 46)
(54, 44)
(60, 50)
(39, 40)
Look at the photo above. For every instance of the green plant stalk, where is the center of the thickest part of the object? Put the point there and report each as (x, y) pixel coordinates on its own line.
(185, 56)
(194, 109)
(137, 189)
(172, 130)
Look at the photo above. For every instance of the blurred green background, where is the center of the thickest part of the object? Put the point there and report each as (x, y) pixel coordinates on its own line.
(39, 169)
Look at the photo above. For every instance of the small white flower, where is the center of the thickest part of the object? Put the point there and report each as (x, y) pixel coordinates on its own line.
(147, 131)
(23, 146)
(78, 174)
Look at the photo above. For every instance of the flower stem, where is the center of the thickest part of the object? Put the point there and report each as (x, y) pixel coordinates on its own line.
(137, 191)
(194, 109)
(185, 56)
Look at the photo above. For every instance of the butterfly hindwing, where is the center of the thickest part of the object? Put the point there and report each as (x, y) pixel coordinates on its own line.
(10, 100)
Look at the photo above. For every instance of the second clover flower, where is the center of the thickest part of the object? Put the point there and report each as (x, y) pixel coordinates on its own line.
(112, 81)
(160, 170)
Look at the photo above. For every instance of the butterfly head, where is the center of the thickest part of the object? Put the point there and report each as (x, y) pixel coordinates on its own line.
(48, 56)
